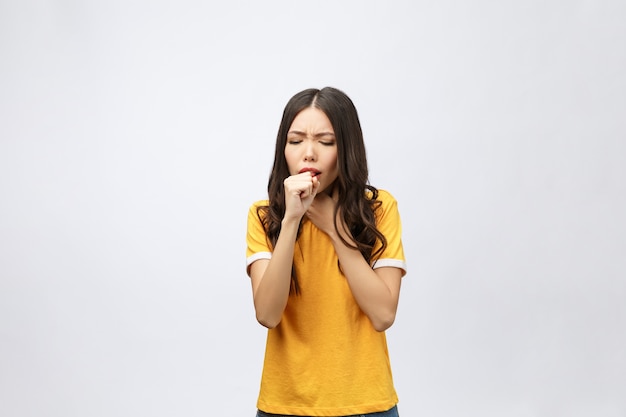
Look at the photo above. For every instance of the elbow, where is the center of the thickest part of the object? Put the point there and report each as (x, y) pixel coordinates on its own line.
(267, 315)
(383, 323)
(268, 322)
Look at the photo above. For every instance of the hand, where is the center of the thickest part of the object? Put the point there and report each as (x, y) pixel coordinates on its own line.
(321, 213)
(300, 191)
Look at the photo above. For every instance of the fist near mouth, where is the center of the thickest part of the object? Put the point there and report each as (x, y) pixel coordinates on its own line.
(300, 190)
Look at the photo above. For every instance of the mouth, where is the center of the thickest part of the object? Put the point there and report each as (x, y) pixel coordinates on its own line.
(314, 172)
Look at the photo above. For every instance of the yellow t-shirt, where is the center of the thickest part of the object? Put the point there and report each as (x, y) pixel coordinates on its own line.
(325, 358)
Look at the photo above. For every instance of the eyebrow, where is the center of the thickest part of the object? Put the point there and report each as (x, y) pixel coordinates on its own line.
(317, 135)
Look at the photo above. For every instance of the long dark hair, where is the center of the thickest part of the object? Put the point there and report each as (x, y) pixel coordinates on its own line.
(357, 206)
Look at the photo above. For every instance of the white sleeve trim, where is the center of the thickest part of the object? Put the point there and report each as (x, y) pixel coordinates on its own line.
(255, 257)
(394, 263)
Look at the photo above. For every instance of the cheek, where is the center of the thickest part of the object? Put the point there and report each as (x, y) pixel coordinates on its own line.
(290, 159)
(332, 160)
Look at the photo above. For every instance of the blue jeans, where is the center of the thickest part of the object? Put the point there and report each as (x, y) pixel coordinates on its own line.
(389, 413)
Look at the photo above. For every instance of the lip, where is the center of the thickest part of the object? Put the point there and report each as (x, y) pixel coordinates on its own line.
(313, 171)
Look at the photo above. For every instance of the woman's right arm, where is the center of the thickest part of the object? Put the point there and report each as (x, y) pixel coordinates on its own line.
(271, 278)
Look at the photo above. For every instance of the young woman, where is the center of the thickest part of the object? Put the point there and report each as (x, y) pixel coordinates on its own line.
(325, 258)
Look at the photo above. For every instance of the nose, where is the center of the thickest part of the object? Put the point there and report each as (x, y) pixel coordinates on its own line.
(309, 151)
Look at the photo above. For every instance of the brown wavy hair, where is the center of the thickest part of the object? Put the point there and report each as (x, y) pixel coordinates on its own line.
(357, 205)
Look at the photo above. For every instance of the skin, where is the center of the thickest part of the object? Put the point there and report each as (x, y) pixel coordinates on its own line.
(311, 144)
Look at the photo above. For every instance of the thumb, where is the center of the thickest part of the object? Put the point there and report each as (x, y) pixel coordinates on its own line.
(316, 186)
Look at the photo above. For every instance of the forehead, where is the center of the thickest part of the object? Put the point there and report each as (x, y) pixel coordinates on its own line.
(311, 120)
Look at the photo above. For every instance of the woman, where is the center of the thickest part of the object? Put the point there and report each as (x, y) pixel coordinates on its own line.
(325, 259)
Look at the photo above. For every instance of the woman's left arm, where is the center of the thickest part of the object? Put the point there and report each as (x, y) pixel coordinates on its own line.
(376, 291)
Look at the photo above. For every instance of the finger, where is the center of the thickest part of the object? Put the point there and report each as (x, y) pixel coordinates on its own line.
(306, 191)
(316, 185)
(297, 185)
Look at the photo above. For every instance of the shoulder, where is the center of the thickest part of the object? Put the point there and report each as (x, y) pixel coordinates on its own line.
(259, 203)
(385, 205)
(257, 210)
(384, 197)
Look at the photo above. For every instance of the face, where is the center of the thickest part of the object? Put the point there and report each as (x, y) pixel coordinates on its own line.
(312, 146)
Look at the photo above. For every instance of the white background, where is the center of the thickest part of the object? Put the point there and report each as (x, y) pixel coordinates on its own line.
(135, 134)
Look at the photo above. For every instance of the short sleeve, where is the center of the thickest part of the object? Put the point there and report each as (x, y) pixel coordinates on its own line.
(258, 246)
(389, 224)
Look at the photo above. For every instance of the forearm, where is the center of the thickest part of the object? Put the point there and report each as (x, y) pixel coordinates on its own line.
(374, 296)
(272, 292)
